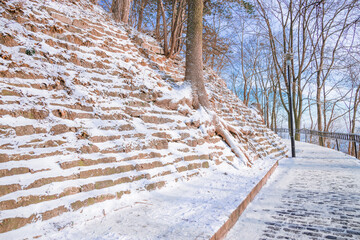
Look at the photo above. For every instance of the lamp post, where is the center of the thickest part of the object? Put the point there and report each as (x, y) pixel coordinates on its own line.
(288, 58)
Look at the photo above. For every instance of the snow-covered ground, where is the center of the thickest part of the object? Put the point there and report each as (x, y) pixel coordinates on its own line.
(195, 209)
(314, 196)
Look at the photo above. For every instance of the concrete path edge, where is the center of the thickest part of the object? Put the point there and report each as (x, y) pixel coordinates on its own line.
(234, 216)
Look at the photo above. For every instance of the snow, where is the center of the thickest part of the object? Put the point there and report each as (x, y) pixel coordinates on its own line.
(193, 209)
(183, 90)
(317, 187)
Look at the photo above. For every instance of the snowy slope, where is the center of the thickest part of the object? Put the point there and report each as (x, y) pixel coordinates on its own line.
(91, 110)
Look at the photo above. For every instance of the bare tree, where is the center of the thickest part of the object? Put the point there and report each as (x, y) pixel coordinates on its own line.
(292, 19)
(333, 19)
(354, 101)
(215, 42)
(172, 45)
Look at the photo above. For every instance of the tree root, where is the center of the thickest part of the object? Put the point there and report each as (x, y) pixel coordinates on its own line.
(240, 135)
(224, 130)
(217, 126)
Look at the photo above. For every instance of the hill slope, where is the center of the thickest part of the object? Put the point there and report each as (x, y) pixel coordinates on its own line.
(91, 110)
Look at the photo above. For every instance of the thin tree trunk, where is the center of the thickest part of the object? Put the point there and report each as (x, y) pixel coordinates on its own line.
(319, 114)
(158, 18)
(162, 9)
(141, 14)
(297, 128)
(176, 27)
(353, 121)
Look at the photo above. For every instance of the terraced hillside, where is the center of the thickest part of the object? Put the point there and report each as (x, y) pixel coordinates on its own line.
(91, 110)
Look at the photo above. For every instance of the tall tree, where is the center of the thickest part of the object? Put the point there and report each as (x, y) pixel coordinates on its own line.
(121, 10)
(353, 103)
(194, 74)
(291, 35)
(194, 61)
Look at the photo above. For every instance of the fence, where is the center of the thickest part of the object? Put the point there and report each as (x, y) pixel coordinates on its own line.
(308, 134)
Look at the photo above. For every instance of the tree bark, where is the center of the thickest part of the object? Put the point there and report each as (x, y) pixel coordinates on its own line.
(194, 75)
(353, 120)
(141, 14)
(158, 17)
(176, 27)
(194, 62)
(319, 114)
(121, 10)
(162, 9)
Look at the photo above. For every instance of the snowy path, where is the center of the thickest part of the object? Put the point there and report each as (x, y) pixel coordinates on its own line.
(315, 196)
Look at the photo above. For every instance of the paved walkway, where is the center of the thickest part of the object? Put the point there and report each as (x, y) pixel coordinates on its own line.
(314, 196)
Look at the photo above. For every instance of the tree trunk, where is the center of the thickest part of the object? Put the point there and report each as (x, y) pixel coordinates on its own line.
(176, 27)
(121, 10)
(158, 17)
(194, 62)
(353, 121)
(162, 9)
(194, 75)
(319, 114)
(274, 103)
(141, 14)
(297, 128)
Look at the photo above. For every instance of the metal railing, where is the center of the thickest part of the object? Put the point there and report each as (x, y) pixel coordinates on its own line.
(349, 137)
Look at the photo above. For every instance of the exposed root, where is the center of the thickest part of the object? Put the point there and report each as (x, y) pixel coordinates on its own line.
(240, 135)
(212, 124)
(224, 130)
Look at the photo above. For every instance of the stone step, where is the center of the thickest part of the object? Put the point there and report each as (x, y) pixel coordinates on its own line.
(27, 200)
(34, 199)
(83, 174)
(19, 171)
(9, 224)
(17, 222)
(4, 157)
